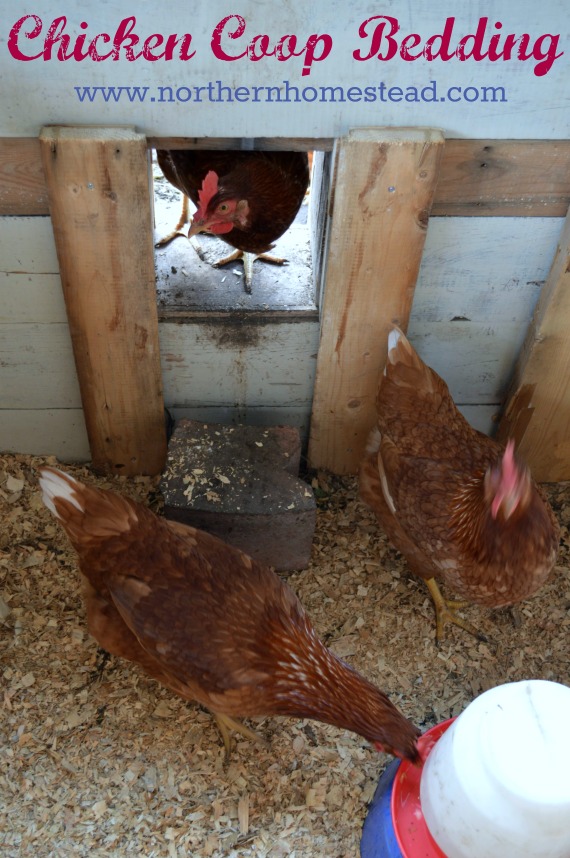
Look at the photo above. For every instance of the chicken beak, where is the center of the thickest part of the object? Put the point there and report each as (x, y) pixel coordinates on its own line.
(196, 226)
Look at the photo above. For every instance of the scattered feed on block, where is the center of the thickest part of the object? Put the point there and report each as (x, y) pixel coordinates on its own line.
(240, 483)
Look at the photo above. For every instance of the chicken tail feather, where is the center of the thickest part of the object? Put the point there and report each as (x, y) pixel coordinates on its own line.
(87, 514)
(402, 355)
(407, 380)
(55, 484)
(394, 337)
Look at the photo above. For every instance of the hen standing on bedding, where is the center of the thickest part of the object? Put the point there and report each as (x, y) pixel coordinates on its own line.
(248, 198)
(209, 622)
(457, 505)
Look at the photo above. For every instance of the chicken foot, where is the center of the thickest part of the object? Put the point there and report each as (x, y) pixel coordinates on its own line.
(226, 723)
(445, 612)
(102, 659)
(179, 229)
(248, 260)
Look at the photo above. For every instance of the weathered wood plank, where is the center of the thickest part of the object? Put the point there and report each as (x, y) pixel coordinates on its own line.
(484, 269)
(31, 298)
(515, 94)
(100, 209)
(297, 144)
(318, 214)
(61, 432)
(241, 365)
(36, 367)
(203, 381)
(507, 178)
(538, 411)
(204, 365)
(384, 183)
(474, 301)
(27, 245)
(504, 177)
(474, 358)
(23, 189)
(484, 418)
(471, 297)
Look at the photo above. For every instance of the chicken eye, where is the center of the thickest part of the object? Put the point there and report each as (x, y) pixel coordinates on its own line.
(223, 207)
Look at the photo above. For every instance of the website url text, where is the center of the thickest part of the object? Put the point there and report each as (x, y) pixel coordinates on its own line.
(216, 92)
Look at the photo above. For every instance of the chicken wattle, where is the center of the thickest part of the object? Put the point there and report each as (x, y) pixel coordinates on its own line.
(248, 198)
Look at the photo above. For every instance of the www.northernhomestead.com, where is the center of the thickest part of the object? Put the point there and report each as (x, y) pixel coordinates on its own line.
(216, 91)
(381, 38)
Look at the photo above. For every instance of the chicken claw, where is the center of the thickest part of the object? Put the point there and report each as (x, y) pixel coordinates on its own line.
(445, 613)
(248, 260)
(210, 623)
(101, 662)
(462, 509)
(247, 198)
(183, 221)
(225, 724)
(180, 229)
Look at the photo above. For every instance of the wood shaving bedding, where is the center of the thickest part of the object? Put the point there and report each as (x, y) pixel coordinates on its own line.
(105, 762)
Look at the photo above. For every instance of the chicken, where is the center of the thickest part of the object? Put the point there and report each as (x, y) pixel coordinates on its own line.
(248, 198)
(210, 623)
(460, 508)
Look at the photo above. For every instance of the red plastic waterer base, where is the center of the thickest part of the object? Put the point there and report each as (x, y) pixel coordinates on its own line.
(410, 827)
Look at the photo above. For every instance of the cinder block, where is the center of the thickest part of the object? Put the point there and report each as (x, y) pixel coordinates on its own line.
(240, 483)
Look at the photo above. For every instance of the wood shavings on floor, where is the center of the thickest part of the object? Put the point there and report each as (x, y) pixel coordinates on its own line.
(100, 760)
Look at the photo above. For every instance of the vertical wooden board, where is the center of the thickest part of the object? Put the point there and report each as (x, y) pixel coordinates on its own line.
(383, 187)
(537, 414)
(101, 213)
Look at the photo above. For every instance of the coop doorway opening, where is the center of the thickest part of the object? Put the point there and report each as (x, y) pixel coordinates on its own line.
(188, 284)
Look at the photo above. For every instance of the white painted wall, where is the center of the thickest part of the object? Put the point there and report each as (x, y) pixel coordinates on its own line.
(489, 270)
(267, 381)
(37, 92)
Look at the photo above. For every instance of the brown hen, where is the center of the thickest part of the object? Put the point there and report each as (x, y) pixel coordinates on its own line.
(458, 506)
(209, 622)
(247, 198)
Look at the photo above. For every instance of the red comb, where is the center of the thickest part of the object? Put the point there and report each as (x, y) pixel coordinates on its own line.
(208, 189)
(509, 464)
(509, 478)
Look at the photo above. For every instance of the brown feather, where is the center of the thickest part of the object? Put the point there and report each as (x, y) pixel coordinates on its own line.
(273, 183)
(435, 507)
(209, 622)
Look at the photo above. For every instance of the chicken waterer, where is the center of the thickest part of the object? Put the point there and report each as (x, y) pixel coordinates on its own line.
(495, 783)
